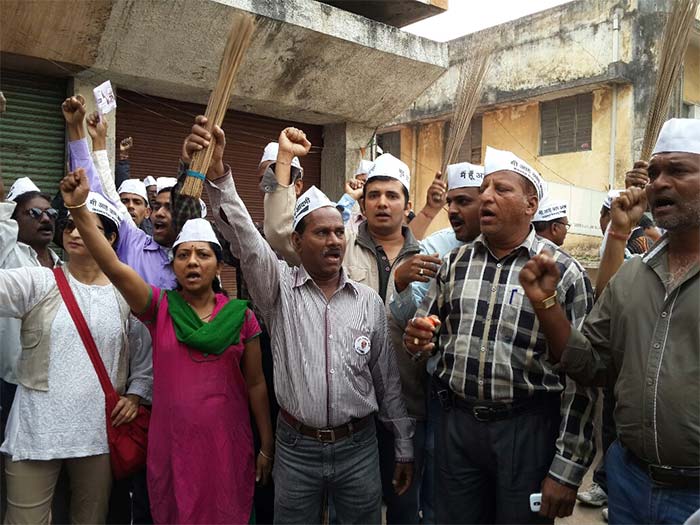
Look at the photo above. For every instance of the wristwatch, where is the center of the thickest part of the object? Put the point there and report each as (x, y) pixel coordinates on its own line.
(547, 303)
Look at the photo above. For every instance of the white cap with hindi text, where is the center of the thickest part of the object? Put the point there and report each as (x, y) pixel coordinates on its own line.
(165, 183)
(149, 181)
(551, 209)
(679, 134)
(500, 160)
(270, 154)
(464, 175)
(134, 186)
(311, 200)
(20, 187)
(96, 203)
(386, 165)
(196, 230)
(363, 167)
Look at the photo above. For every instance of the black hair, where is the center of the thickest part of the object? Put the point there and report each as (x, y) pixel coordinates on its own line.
(21, 200)
(216, 283)
(381, 178)
(110, 228)
(540, 226)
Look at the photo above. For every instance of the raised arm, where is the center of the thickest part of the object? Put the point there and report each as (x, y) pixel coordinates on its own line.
(625, 212)
(435, 200)
(123, 168)
(279, 205)
(75, 190)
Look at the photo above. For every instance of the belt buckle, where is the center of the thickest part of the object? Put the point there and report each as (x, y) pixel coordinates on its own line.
(482, 413)
(322, 432)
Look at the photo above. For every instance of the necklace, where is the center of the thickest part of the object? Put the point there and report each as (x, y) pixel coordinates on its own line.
(206, 316)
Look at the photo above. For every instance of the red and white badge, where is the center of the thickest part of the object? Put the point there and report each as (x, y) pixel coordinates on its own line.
(362, 345)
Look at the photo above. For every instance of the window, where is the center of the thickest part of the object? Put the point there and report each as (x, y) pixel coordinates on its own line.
(390, 143)
(565, 124)
(470, 151)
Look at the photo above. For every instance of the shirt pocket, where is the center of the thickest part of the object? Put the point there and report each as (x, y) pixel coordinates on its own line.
(30, 338)
(357, 273)
(356, 357)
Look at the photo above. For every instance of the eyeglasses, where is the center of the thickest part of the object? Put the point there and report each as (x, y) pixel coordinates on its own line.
(565, 224)
(36, 213)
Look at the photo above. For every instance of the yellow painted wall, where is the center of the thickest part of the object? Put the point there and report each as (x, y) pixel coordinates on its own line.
(691, 75)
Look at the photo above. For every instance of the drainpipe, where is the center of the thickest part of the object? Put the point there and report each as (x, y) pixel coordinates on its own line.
(613, 109)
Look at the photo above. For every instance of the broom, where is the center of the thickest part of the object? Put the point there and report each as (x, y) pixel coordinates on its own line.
(238, 41)
(469, 88)
(674, 42)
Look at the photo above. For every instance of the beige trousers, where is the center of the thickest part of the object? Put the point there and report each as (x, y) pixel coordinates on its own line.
(31, 484)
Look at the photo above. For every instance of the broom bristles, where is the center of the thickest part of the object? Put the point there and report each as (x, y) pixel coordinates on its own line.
(674, 42)
(469, 89)
(236, 45)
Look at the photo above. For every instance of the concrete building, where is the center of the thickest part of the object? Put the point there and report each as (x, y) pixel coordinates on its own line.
(568, 91)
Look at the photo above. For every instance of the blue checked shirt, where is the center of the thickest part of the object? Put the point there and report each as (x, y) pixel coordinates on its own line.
(491, 348)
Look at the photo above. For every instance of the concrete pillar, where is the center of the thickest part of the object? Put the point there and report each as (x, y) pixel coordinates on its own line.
(84, 87)
(341, 155)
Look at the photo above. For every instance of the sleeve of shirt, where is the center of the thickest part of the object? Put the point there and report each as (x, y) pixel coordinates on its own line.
(575, 446)
(261, 269)
(122, 172)
(182, 207)
(22, 288)
(109, 190)
(345, 206)
(140, 361)
(404, 305)
(80, 158)
(279, 217)
(8, 231)
(251, 328)
(387, 387)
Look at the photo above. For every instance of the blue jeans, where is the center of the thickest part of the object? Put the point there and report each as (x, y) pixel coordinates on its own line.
(634, 498)
(427, 488)
(348, 470)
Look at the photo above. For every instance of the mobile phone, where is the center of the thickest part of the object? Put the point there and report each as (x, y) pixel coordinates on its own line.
(535, 502)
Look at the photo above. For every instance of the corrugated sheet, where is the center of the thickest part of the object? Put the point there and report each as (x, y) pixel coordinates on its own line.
(32, 130)
(159, 127)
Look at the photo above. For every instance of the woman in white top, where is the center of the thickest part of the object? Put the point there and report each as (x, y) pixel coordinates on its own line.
(58, 415)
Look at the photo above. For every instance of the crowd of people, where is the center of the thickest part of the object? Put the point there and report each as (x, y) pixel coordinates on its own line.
(448, 378)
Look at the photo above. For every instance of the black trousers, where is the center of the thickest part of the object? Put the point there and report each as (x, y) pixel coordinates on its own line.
(486, 471)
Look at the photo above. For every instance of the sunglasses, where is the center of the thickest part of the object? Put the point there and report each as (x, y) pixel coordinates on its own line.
(69, 226)
(36, 213)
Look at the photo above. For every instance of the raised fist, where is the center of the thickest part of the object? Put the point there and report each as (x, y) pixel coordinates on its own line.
(97, 126)
(125, 145)
(293, 143)
(437, 193)
(539, 277)
(627, 210)
(74, 110)
(75, 188)
(353, 187)
(637, 176)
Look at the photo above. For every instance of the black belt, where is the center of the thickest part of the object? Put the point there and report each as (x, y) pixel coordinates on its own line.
(667, 475)
(327, 435)
(486, 411)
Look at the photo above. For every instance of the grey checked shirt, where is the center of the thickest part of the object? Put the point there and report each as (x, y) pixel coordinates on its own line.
(333, 358)
(491, 347)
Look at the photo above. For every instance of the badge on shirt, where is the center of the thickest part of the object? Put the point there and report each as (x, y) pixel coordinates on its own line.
(362, 345)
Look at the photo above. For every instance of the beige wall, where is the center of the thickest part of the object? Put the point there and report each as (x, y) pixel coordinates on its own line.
(691, 75)
(517, 129)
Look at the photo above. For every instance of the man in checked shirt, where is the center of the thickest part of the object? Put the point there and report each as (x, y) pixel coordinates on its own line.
(333, 361)
(511, 424)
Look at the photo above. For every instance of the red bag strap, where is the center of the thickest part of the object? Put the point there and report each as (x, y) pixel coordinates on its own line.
(84, 332)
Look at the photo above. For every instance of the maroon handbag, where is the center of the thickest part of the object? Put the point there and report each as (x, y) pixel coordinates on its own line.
(128, 442)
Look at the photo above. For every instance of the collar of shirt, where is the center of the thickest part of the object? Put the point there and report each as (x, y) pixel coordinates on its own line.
(657, 260)
(410, 244)
(302, 277)
(530, 243)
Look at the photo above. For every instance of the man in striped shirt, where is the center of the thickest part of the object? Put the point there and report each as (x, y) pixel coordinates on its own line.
(334, 366)
(511, 425)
